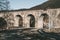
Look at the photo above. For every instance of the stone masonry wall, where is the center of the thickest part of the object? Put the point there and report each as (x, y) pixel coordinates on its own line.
(12, 20)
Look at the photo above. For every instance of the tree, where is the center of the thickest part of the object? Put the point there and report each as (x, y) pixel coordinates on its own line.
(3, 23)
(4, 5)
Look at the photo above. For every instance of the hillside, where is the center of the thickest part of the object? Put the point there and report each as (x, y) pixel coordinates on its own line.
(48, 4)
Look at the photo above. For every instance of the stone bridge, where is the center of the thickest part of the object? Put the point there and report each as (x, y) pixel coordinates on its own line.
(48, 19)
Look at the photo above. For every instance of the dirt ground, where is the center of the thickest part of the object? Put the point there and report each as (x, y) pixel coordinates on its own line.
(27, 35)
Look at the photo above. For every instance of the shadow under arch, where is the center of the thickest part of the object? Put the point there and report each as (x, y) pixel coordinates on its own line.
(3, 23)
(58, 16)
(32, 20)
(20, 20)
(45, 20)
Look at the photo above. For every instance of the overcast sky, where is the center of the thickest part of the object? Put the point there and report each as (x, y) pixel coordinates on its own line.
(20, 4)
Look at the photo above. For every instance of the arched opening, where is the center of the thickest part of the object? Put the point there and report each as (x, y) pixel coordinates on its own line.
(58, 16)
(45, 20)
(3, 23)
(20, 20)
(32, 20)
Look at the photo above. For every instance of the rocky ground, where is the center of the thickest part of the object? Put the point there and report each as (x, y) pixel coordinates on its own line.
(28, 34)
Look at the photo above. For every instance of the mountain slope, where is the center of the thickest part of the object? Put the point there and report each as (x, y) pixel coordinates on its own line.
(48, 4)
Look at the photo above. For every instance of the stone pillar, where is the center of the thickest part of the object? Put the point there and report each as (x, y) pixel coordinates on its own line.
(28, 22)
(49, 23)
(40, 23)
(16, 22)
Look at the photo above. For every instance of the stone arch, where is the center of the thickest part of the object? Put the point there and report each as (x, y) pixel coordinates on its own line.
(20, 20)
(45, 20)
(58, 16)
(3, 23)
(32, 20)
